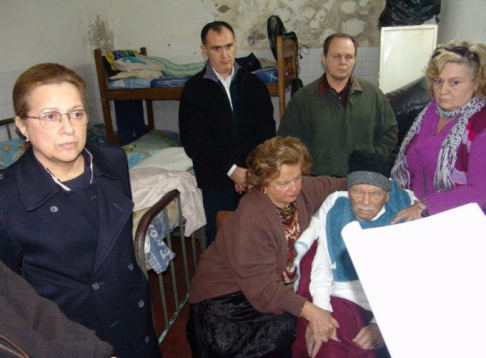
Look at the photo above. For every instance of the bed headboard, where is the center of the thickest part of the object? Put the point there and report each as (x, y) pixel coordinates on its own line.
(106, 95)
(9, 125)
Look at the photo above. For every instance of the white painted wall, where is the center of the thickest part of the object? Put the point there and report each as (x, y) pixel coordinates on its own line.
(41, 31)
(462, 20)
(36, 31)
(66, 31)
(166, 27)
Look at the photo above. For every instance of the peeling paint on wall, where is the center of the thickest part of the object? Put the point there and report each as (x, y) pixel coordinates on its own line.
(100, 36)
(223, 9)
(354, 27)
(311, 20)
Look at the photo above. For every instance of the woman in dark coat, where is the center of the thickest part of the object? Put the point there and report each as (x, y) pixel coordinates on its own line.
(65, 215)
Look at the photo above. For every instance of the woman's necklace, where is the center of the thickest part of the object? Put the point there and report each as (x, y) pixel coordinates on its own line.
(286, 213)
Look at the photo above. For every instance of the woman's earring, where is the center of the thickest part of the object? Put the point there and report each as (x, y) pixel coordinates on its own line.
(263, 189)
(26, 139)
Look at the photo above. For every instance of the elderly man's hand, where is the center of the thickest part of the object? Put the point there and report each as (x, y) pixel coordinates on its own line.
(369, 337)
(411, 213)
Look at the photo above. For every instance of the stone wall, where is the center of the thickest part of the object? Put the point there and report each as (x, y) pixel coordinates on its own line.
(311, 20)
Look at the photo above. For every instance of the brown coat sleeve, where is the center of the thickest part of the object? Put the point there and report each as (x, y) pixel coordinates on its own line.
(254, 248)
(38, 326)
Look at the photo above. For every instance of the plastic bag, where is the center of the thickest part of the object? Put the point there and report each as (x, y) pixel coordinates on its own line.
(249, 63)
(407, 102)
(408, 12)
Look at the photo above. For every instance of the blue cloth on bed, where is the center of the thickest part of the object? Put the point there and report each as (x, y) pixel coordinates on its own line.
(159, 255)
(172, 81)
(130, 83)
(11, 150)
(267, 75)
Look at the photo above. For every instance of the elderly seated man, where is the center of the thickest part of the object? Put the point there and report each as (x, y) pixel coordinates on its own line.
(327, 275)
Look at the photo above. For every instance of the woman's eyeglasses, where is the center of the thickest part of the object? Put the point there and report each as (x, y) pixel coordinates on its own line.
(462, 51)
(49, 120)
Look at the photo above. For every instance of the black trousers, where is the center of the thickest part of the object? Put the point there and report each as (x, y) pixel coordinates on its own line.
(229, 326)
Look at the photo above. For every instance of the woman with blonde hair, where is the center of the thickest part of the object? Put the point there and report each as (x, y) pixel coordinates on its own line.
(442, 156)
(242, 298)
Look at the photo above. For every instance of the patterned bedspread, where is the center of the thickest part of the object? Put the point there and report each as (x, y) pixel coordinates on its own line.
(158, 254)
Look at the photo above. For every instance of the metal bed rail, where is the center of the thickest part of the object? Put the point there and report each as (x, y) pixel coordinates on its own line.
(139, 243)
(9, 125)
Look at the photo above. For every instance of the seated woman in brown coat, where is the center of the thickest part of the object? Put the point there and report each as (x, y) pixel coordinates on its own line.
(242, 298)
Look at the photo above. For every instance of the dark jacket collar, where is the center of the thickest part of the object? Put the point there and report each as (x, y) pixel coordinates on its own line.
(324, 85)
(36, 185)
(211, 75)
(102, 166)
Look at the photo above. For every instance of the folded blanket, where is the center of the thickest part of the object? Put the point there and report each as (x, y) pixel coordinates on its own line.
(149, 184)
(168, 68)
(114, 55)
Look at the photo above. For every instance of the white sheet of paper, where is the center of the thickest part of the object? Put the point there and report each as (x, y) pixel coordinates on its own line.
(426, 282)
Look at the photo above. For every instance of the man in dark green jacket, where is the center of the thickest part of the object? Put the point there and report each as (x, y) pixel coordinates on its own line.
(339, 113)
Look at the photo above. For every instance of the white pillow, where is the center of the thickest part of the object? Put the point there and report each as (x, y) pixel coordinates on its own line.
(168, 159)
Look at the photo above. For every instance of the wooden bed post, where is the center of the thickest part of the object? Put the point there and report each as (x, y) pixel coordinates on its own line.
(287, 67)
(148, 103)
(105, 104)
(281, 75)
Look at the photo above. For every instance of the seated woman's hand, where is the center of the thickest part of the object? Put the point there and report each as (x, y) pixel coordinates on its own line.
(369, 337)
(322, 327)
